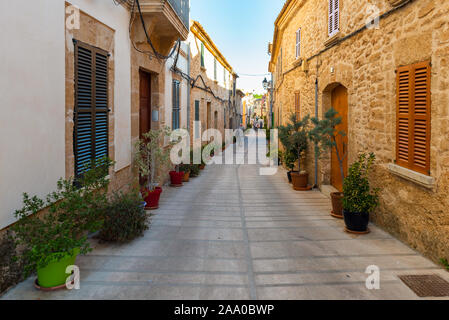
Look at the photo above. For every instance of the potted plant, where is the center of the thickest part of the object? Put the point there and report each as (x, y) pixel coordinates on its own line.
(150, 158)
(125, 218)
(359, 199)
(194, 170)
(325, 135)
(186, 169)
(51, 241)
(296, 139)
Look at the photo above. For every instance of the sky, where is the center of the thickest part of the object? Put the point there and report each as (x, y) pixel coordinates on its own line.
(241, 29)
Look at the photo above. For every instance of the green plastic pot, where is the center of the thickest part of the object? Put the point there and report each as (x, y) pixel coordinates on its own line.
(53, 275)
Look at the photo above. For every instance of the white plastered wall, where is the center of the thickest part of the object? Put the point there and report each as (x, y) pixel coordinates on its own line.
(32, 95)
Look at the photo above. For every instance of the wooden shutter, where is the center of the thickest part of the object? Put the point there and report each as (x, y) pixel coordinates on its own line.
(297, 106)
(334, 17)
(176, 103)
(413, 117)
(90, 136)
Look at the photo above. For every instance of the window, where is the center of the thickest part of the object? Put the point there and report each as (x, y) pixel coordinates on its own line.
(297, 106)
(413, 117)
(176, 101)
(334, 17)
(197, 119)
(91, 124)
(202, 54)
(298, 43)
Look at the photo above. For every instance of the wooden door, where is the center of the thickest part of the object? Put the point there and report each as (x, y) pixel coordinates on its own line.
(145, 103)
(340, 104)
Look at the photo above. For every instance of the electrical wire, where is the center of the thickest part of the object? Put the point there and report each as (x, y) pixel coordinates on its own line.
(160, 56)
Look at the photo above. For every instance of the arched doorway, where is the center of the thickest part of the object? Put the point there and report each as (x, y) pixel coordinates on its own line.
(339, 101)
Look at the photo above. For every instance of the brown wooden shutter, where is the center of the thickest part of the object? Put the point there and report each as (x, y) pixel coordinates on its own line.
(413, 117)
(297, 106)
(90, 134)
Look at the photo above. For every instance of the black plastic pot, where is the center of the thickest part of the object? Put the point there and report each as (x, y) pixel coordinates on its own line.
(289, 175)
(356, 221)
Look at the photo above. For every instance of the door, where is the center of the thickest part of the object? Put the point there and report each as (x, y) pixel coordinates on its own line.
(340, 104)
(145, 103)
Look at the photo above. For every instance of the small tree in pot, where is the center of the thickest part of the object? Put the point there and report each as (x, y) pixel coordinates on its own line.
(325, 135)
(52, 240)
(359, 199)
(151, 158)
(296, 140)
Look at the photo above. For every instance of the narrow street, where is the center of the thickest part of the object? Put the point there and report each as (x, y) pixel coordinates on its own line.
(233, 234)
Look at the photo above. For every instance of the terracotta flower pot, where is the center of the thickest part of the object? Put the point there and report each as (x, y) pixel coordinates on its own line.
(337, 205)
(176, 178)
(300, 181)
(186, 176)
(289, 175)
(202, 166)
(152, 198)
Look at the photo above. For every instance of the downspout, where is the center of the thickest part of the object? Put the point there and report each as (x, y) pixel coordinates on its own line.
(188, 87)
(316, 146)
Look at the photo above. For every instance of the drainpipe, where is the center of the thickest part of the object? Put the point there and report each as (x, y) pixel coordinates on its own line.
(188, 87)
(316, 146)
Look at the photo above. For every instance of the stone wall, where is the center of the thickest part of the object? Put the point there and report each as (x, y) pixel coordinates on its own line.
(365, 64)
(205, 98)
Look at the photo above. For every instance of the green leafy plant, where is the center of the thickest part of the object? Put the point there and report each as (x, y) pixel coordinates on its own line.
(295, 136)
(71, 212)
(125, 218)
(358, 196)
(445, 263)
(184, 167)
(11, 268)
(194, 170)
(151, 158)
(326, 136)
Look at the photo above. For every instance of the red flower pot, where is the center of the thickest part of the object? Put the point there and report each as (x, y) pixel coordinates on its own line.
(152, 198)
(176, 178)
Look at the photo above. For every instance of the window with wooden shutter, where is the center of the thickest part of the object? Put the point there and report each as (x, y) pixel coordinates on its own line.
(91, 124)
(297, 106)
(176, 105)
(202, 55)
(413, 117)
(334, 17)
(197, 119)
(298, 43)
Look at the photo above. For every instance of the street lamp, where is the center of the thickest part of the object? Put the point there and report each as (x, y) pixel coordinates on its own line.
(265, 83)
(268, 85)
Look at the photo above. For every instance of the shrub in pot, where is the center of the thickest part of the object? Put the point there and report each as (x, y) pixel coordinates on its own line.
(359, 199)
(151, 159)
(194, 170)
(325, 135)
(125, 218)
(295, 138)
(53, 240)
(186, 169)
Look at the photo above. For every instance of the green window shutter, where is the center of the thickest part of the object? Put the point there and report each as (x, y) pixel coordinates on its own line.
(91, 120)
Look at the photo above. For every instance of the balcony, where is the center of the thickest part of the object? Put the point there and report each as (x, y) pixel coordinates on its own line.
(165, 20)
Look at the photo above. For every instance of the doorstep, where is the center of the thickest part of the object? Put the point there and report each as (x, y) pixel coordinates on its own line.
(327, 190)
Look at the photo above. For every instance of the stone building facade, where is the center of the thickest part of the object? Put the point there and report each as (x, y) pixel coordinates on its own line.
(212, 88)
(385, 65)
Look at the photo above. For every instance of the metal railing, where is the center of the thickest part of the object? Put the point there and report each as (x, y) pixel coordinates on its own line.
(182, 8)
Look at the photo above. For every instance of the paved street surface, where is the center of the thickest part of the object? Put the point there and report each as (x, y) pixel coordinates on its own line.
(233, 234)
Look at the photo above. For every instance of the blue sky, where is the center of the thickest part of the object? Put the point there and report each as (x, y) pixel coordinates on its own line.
(241, 29)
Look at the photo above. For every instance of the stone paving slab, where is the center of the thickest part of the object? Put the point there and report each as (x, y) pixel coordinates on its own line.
(233, 234)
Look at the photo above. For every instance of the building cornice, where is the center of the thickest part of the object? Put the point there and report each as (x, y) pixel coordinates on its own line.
(197, 29)
(164, 7)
